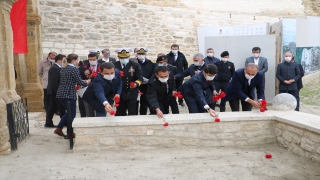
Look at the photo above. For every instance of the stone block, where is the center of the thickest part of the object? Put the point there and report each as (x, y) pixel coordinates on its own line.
(109, 148)
(101, 130)
(190, 142)
(315, 159)
(267, 139)
(278, 132)
(176, 127)
(134, 130)
(282, 142)
(223, 136)
(92, 36)
(212, 127)
(287, 136)
(139, 148)
(47, 44)
(67, 51)
(284, 102)
(209, 143)
(207, 136)
(295, 130)
(150, 132)
(242, 143)
(86, 140)
(171, 142)
(307, 145)
(312, 137)
(229, 127)
(107, 141)
(318, 150)
(227, 143)
(281, 126)
(152, 141)
(298, 151)
(251, 127)
(125, 141)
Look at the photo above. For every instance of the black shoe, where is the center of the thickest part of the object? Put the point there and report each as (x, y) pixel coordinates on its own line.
(50, 126)
(182, 104)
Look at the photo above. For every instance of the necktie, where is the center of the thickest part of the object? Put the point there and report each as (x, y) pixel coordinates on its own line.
(93, 67)
(175, 57)
(166, 85)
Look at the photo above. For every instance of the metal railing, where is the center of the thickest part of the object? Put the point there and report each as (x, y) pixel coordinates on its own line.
(18, 121)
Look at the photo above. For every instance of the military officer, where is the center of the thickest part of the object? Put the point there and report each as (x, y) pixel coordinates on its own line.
(161, 88)
(131, 76)
(163, 61)
(147, 68)
(224, 75)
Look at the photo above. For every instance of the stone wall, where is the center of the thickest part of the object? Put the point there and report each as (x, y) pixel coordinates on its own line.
(75, 26)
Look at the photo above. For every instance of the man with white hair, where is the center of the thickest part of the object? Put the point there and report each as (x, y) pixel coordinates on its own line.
(288, 73)
(210, 59)
(196, 67)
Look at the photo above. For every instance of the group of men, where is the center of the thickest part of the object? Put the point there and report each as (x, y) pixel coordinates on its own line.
(136, 85)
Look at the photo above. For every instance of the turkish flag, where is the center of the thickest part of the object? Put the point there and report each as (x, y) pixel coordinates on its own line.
(18, 17)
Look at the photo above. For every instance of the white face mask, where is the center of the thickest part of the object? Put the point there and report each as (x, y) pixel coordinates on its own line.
(52, 61)
(224, 59)
(197, 63)
(249, 77)
(109, 77)
(288, 59)
(141, 57)
(163, 80)
(124, 61)
(93, 63)
(256, 55)
(210, 78)
(160, 65)
(210, 54)
(174, 51)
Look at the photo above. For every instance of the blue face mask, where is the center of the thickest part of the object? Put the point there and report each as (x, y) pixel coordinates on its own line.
(124, 61)
(160, 64)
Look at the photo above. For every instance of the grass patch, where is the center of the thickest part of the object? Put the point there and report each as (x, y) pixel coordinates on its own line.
(310, 94)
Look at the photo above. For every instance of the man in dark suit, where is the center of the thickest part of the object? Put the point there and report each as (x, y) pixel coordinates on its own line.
(225, 73)
(53, 85)
(299, 83)
(194, 68)
(162, 61)
(89, 70)
(161, 88)
(288, 73)
(135, 58)
(147, 68)
(103, 89)
(242, 86)
(131, 80)
(258, 60)
(177, 59)
(210, 59)
(106, 57)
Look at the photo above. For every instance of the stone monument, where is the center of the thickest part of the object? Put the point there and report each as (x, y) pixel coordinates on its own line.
(284, 102)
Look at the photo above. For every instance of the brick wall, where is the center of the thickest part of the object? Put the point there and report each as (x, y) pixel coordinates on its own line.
(78, 25)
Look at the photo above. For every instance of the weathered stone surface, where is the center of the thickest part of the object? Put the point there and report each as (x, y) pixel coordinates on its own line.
(306, 144)
(125, 141)
(284, 102)
(152, 141)
(250, 127)
(107, 141)
(190, 142)
(132, 131)
(87, 140)
(262, 140)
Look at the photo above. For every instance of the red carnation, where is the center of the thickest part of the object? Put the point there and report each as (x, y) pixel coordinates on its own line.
(121, 73)
(215, 98)
(116, 105)
(117, 99)
(98, 69)
(263, 102)
(85, 66)
(112, 113)
(262, 109)
(94, 74)
(166, 124)
(222, 94)
(77, 87)
(180, 96)
(216, 119)
(132, 84)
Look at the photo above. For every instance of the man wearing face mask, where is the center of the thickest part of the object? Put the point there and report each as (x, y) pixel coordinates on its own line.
(131, 80)
(195, 90)
(42, 71)
(210, 59)
(89, 70)
(147, 68)
(241, 88)
(103, 89)
(225, 73)
(177, 59)
(161, 88)
(194, 68)
(260, 61)
(288, 73)
(53, 85)
(163, 62)
(106, 57)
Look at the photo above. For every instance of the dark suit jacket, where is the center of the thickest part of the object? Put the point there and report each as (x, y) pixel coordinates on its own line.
(101, 90)
(197, 86)
(189, 72)
(299, 82)
(225, 71)
(239, 83)
(181, 63)
(112, 60)
(263, 63)
(287, 71)
(86, 66)
(157, 91)
(53, 79)
(132, 73)
(173, 70)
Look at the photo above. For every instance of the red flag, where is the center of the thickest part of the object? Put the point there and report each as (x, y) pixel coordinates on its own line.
(18, 17)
